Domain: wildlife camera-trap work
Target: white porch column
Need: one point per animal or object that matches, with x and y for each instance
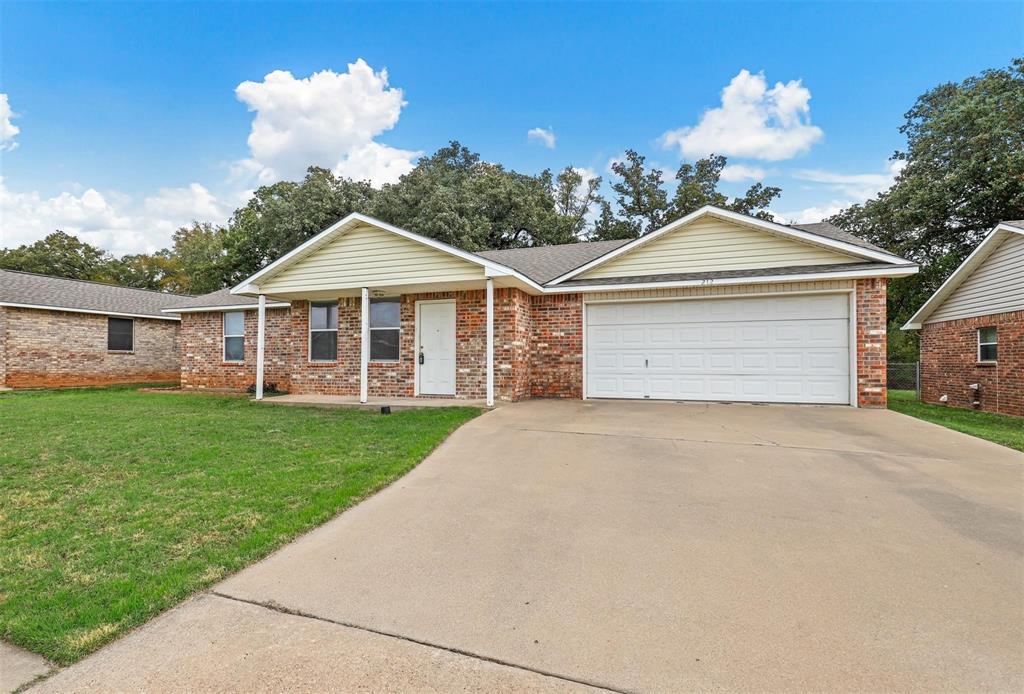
(364, 348)
(490, 342)
(261, 330)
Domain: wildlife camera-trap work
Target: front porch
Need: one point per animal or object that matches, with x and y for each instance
(371, 403)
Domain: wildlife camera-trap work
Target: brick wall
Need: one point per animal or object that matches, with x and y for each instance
(949, 363)
(871, 342)
(55, 349)
(202, 351)
(3, 347)
(556, 348)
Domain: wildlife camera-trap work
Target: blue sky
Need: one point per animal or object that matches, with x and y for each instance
(131, 120)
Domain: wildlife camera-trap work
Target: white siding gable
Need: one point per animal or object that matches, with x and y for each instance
(995, 286)
(710, 244)
(369, 256)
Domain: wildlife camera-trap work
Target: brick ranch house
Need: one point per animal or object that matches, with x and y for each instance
(972, 329)
(714, 306)
(56, 332)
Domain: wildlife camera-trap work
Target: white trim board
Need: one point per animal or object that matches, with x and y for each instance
(236, 307)
(40, 307)
(998, 233)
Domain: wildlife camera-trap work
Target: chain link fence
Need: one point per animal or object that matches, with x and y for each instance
(904, 376)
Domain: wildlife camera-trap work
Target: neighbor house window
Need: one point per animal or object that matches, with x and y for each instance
(234, 336)
(384, 329)
(987, 344)
(120, 334)
(323, 331)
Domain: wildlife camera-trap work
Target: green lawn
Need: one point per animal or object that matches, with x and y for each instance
(1002, 429)
(115, 504)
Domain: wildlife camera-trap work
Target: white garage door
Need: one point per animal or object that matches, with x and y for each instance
(771, 349)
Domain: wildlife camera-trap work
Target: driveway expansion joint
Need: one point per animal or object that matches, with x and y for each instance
(277, 607)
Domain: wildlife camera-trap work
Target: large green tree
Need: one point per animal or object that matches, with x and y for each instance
(643, 204)
(202, 260)
(963, 173)
(59, 254)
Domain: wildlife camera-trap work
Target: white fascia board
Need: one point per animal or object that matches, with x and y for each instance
(728, 281)
(771, 227)
(228, 307)
(976, 258)
(41, 307)
(250, 285)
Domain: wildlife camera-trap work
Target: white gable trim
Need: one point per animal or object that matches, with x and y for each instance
(226, 307)
(973, 261)
(729, 215)
(250, 285)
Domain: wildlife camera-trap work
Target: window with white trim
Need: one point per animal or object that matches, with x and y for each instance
(234, 336)
(988, 339)
(120, 334)
(323, 331)
(385, 328)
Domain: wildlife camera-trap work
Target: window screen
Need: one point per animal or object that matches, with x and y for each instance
(234, 336)
(120, 333)
(384, 328)
(987, 343)
(323, 331)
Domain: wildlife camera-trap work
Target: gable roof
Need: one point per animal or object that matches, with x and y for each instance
(997, 235)
(220, 300)
(31, 290)
(544, 263)
(250, 285)
(821, 234)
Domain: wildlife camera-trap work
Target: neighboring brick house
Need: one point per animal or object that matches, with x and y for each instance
(972, 329)
(714, 306)
(56, 332)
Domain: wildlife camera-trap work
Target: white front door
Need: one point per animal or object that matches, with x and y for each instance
(435, 329)
(771, 349)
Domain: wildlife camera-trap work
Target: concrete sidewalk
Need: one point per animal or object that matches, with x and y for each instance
(634, 547)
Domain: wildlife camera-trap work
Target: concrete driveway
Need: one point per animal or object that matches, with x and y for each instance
(635, 547)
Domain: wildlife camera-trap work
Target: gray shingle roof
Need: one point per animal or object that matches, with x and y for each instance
(221, 297)
(544, 263)
(831, 231)
(723, 274)
(60, 293)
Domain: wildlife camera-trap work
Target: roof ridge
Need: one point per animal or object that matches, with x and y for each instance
(102, 284)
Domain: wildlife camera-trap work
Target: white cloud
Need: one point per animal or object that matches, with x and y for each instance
(328, 119)
(856, 188)
(545, 136)
(753, 121)
(109, 220)
(734, 173)
(859, 187)
(7, 129)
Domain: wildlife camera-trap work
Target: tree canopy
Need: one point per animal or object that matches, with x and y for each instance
(963, 173)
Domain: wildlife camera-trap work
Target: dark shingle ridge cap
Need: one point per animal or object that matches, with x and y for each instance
(102, 284)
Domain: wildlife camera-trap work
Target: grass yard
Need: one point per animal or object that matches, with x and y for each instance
(115, 504)
(1000, 428)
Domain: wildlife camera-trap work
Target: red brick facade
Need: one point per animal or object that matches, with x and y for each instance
(57, 349)
(538, 348)
(949, 364)
(871, 342)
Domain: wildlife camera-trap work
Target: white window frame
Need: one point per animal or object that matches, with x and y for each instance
(121, 351)
(225, 336)
(389, 299)
(994, 343)
(311, 330)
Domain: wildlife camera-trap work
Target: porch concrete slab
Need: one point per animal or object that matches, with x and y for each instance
(663, 547)
(349, 401)
(18, 667)
(214, 644)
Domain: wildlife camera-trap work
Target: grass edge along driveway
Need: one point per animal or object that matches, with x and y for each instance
(116, 505)
(998, 428)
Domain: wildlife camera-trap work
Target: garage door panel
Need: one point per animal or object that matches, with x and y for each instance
(781, 349)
